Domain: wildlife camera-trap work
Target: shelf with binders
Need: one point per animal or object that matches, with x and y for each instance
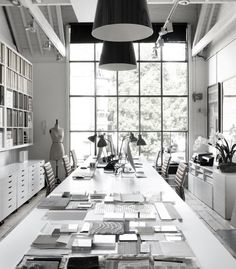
(27, 136)
(16, 112)
(2, 132)
(16, 63)
(2, 74)
(2, 53)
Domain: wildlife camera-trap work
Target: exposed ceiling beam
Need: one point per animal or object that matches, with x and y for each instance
(68, 2)
(39, 41)
(22, 13)
(50, 16)
(60, 24)
(45, 26)
(220, 27)
(210, 17)
(200, 24)
(13, 27)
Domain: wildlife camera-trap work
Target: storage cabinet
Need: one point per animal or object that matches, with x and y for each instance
(200, 183)
(224, 193)
(214, 188)
(22, 185)
(10, 194)
(18, 183)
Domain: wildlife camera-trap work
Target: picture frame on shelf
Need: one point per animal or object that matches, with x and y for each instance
(214, 119)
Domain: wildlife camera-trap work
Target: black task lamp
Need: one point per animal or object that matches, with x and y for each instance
(141, 141)
(122, 20)
(92, 138)
(117, 56)
(101, 142)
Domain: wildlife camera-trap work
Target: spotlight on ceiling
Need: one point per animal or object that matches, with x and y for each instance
(16, 3)
(47, 45)
(37, 1)
(167, 29)
(155, 52)
(184, 2)
(59, 57)
(31, 27)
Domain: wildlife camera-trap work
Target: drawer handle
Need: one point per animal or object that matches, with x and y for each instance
(9, 192)
(10, 181)
(22, 197)
(10, 176)
(9, 206)
(22, 185)
(23, 170)
(22, 191)
(9, 199)
(22, 180)
(9, 187)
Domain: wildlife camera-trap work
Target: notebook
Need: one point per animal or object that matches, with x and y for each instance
(54, 202)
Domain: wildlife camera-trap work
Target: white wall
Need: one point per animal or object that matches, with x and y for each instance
(198, 108)
(222, 56)
(5, 34)
(49, 104)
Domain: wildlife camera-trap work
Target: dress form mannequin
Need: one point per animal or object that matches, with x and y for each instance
(57, 148)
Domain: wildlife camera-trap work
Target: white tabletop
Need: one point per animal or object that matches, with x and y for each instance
(210, 252)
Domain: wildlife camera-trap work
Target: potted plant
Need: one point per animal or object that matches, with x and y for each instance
(226, 153)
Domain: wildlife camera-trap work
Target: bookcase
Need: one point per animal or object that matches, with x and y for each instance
(16, 97)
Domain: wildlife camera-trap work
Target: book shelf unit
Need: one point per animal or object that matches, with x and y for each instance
(16, 97)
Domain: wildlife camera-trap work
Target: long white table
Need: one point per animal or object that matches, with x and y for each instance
(209, 251)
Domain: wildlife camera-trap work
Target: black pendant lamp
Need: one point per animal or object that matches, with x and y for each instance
(122, 20)
(117, 56)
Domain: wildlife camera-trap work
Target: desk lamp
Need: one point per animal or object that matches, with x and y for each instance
(92, 138)
(131, 138)
(141, 141)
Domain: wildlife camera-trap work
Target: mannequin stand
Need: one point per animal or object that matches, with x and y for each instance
(58, 180)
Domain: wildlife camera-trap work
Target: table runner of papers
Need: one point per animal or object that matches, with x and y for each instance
(125, 233)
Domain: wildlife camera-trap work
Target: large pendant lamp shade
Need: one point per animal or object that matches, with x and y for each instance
(122, 20)
(117, 56)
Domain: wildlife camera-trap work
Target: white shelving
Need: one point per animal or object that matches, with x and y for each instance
(16, 97)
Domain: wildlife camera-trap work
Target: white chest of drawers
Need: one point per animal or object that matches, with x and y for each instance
(18, 183)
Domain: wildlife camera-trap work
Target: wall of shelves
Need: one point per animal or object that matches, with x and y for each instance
(16, 98)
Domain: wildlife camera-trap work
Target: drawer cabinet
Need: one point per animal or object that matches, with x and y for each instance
(200, 183)
(224, 193)
(214, 188)
(18, 183)
(22, 191)
(9, 195)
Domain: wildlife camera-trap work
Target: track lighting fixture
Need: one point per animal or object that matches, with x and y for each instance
(168, 26)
